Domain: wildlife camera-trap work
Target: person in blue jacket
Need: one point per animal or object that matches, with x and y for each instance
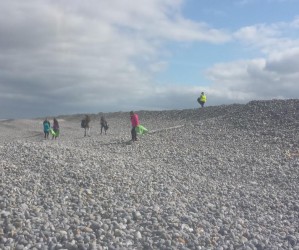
(47, 127)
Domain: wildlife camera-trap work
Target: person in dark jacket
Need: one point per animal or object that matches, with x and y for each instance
(104, 124)
(86, 125)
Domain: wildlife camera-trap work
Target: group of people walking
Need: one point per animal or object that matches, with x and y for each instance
(54, 130)
(85, 124)
(104, 125)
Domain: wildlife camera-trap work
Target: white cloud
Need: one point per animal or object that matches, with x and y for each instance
(273, 75)
(284, 62)
(87, 55)
(253, 79)
(269, 38)
(295, 23)
(244, 2)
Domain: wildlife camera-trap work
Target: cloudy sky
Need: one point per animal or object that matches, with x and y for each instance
(75, 56)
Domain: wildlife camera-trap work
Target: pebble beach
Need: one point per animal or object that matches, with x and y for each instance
(219, 177)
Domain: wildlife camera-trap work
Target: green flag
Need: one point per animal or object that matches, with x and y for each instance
(141, 130)
(53, 132)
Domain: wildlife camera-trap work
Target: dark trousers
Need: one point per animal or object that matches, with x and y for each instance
(103, 126)
(86, 131)
(134, 134)
(201, 103)
(46, 135)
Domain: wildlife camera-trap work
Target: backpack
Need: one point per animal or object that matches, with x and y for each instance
(83, 124)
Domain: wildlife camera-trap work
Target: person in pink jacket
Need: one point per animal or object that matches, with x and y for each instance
(135, 123)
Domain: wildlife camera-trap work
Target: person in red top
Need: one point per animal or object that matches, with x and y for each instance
(135, 123)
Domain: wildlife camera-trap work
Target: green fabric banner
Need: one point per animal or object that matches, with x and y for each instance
(53, 132)
(141, 130)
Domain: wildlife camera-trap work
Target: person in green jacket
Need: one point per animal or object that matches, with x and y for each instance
(202, 99)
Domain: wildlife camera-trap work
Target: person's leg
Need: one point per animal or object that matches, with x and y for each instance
(84, 131)
(134, 134)
(45, 135)
(101, 128)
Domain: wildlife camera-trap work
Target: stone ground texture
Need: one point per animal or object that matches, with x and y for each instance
(222, 177)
